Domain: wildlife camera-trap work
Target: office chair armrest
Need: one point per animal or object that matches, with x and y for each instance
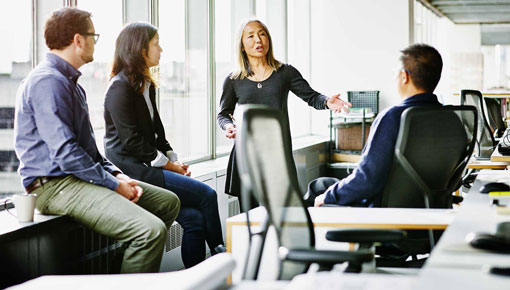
(498, 134)
(331, 205)
(456, 199)
(365, 235)
(324, 257)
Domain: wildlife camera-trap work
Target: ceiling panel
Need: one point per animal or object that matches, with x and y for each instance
(473, 11)
(493, 34)
(493, 15)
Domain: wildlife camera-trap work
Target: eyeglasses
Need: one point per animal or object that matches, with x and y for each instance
(95, 35)
(397, 71)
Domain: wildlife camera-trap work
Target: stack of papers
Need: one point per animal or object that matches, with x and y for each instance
(355, 113)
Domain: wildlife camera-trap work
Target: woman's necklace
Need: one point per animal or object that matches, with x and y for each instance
(259, 85)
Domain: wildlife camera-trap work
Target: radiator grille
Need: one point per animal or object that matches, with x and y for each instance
(233, 206)
(99, 254)
(174, 238)
(102, 255)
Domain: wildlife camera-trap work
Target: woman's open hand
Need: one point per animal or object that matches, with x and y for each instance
(336, 104)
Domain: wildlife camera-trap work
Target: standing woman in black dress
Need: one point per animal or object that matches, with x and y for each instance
(261, 79)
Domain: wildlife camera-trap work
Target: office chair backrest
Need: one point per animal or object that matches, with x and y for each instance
(265, 165)
(495, 116)
(484, 138)
(433, 147)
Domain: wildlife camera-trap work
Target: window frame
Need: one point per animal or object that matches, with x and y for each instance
(152, 16)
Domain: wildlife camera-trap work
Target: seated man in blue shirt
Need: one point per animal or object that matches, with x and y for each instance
(419, 75)
(59, 159)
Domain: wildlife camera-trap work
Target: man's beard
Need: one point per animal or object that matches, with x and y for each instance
(87, 58)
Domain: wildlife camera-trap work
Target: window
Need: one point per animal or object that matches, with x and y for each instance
(43, 9)
(496, 67)
(299, 49)
(191, 70)
(184, 77)
(274, 15)
(228, 16)
(107, 19)
(289, 25)
(15, 64)
(425, 25)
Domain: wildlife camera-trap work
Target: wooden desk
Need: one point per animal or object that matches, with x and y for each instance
(328, 218)
(486, 164)
(494, 95)
(500, 95)
(453, 264)
(361, 217)
(498, 157)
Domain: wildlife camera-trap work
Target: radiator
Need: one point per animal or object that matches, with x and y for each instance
(174, 237)
(233, 206)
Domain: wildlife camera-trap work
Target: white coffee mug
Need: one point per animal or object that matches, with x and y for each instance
(25, 206)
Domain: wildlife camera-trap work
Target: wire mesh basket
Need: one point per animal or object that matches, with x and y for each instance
(364, 99)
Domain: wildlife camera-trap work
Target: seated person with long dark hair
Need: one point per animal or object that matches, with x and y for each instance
(135, 141)
(59, 159)
(419, 75)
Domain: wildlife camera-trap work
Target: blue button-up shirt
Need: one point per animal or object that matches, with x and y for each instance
(365, 185)
(52, 131)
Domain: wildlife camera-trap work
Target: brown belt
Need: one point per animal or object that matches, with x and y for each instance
(38, 182)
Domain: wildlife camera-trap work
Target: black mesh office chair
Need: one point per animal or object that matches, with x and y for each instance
(484, 139)
(432, 150)
(433, 146)
(495, 117)
(265, 170)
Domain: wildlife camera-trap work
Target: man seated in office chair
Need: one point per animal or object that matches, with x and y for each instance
(419, 75)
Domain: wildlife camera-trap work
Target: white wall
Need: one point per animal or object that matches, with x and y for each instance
(355, 46)
(460, 47)
(496, 66)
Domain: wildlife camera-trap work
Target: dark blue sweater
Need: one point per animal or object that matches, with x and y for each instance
(365, 185)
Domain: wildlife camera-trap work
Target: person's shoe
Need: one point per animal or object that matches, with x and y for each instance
(219, 249)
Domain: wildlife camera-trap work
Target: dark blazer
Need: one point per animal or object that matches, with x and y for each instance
(130, 141)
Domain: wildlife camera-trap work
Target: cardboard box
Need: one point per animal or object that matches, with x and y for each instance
(349, 137)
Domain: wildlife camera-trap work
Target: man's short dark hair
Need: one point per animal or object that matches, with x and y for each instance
(63, 24)
(424, 64)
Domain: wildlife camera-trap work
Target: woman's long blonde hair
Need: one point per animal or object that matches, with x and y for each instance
(243, 68)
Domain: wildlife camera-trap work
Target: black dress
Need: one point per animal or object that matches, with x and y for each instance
(274, 93)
